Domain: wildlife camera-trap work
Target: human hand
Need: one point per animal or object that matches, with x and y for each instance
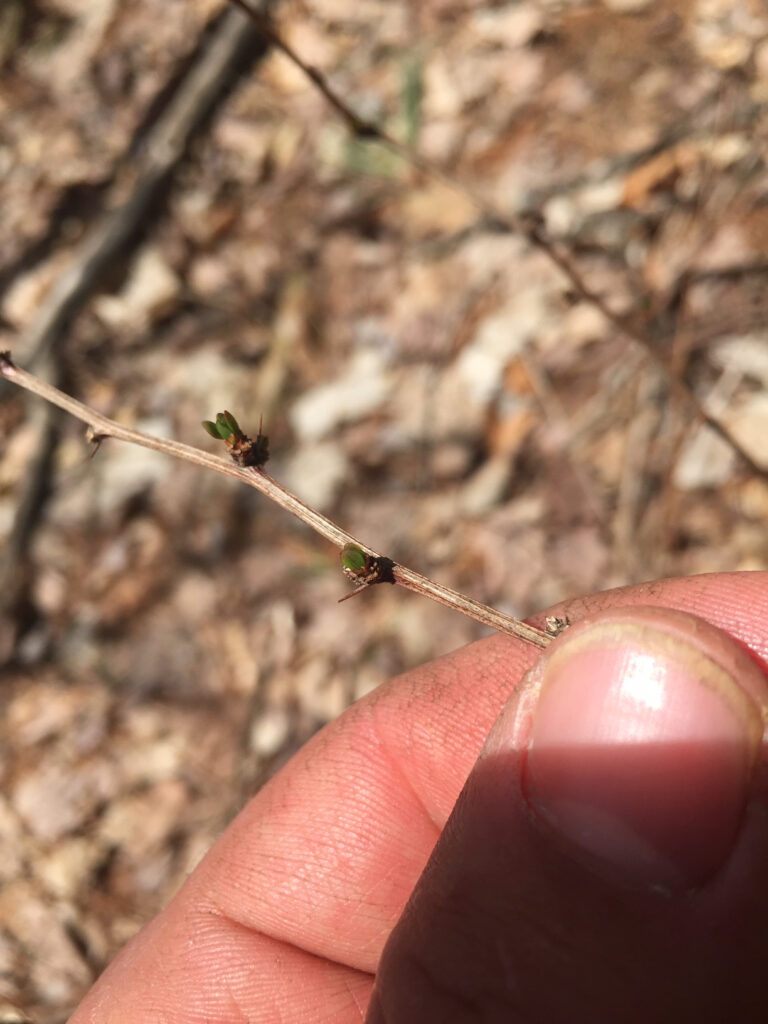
(606, 861)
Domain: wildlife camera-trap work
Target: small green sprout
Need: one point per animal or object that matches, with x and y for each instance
(360, 567)
(225, 427)
(354, 560)
(243, 449)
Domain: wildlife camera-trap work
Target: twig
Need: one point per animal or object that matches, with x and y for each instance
(527, 224)
(100, 427)
(459, 602)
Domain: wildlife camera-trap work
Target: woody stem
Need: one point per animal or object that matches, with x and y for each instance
(101, 427)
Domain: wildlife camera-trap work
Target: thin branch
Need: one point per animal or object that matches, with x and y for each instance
(529, 225)
(473, 609)
(100, 427)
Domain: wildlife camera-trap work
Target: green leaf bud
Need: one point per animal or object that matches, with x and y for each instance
(229, 419)
(354, 558)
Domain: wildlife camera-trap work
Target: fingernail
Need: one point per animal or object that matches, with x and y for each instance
(642, 746)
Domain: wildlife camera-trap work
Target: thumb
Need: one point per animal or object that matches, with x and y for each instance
(608, 857)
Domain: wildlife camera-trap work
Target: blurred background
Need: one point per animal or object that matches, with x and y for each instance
(187, 227)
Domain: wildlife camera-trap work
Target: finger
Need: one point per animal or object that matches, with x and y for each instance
(737, 602)
(608, 858)
(325, 856)
(354, 819)
(292, 906)
(189, 966)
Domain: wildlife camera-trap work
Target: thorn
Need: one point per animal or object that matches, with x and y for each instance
(357, 590)
(95, 439)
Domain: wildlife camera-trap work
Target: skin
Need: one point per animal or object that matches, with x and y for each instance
(288, 916)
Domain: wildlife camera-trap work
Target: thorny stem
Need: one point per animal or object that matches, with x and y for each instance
(100, 427)
(529, 225)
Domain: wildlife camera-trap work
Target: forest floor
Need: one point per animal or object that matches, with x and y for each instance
(427, 378)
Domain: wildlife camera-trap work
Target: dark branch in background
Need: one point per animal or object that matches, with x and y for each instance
(528, 225)
(152, 168)
(100, 427)
(15, 605)
(221, 58)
